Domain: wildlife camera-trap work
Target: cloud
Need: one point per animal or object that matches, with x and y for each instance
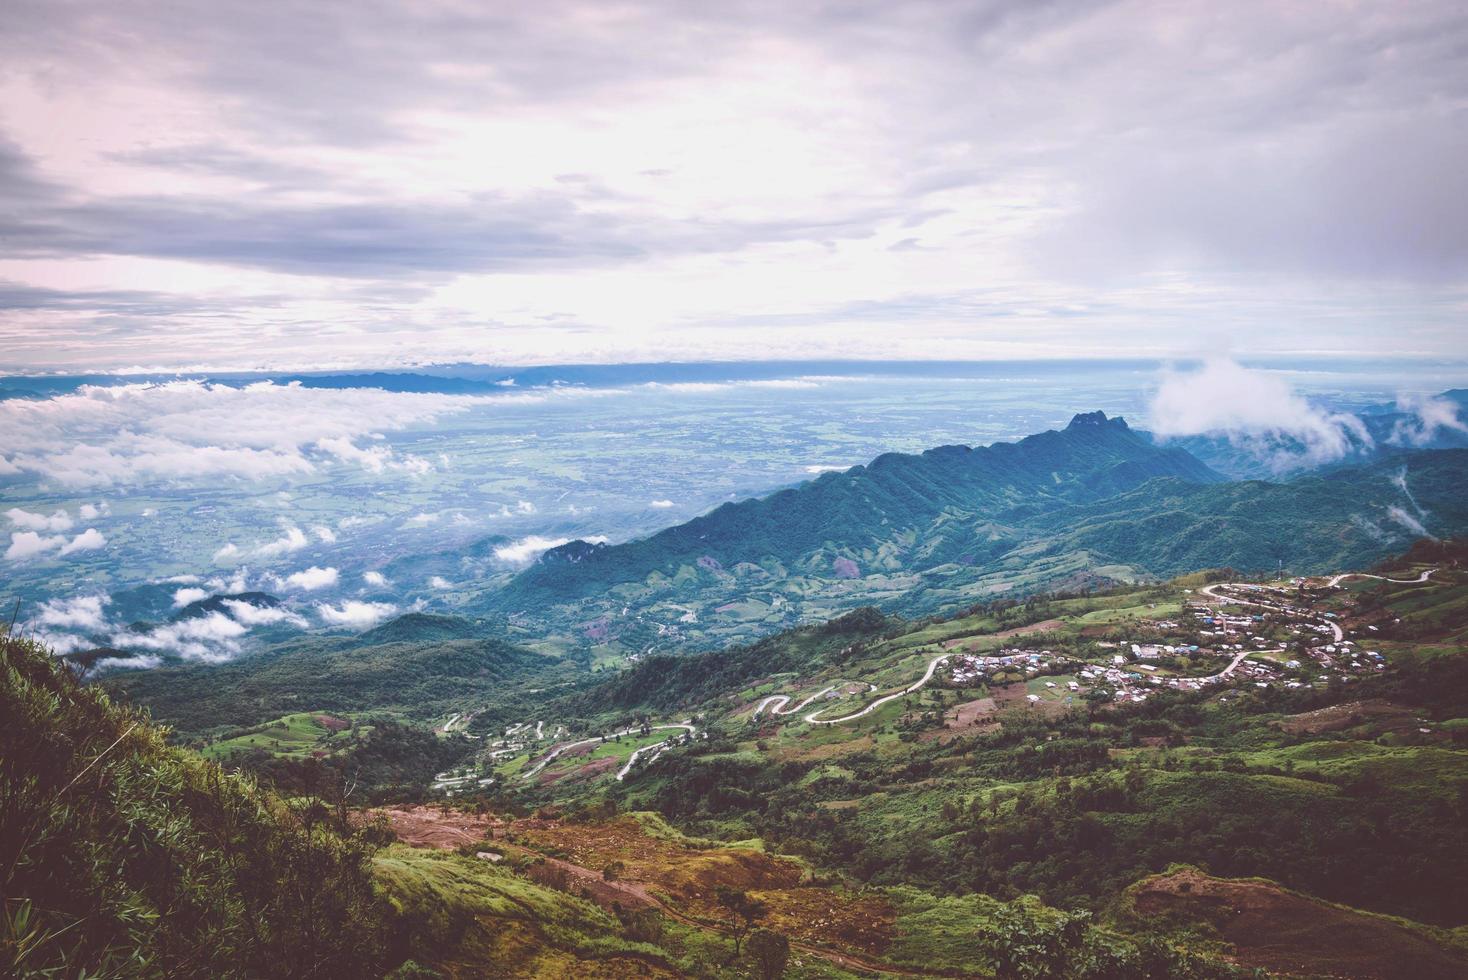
(193, 433)
(527, 549)
(324, 534)
(313, 578)
(354, 614)
(230, 550)
(183, 597)
(1257, 411)
(422, 519)
(29, 544)
(61, 644)
(660, 504)
(439, 582)
(58, 521)
(89, 540)
(212, 638)
(90, 512)
(1134, 172)
(143, 662)
(1407, 521)
(1429, 415)
(252, 615)
(375, 579)
(80, 612)
(294, 539)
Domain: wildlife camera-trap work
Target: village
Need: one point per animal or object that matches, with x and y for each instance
(1259, 634)
(1220, 636)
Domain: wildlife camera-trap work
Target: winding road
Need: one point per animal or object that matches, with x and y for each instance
(1380, 578)
(1232, 600)
(777, 704)
(655, 749)
(555, 752)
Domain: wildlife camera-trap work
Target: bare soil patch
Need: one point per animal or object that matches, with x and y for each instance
(1281, 931)
(591, 770)
(1380, 714)
(831, 916)
(426, 826)
(826, 750)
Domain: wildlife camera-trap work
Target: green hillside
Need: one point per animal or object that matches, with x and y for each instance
(122, 856)
(418, 679)
(1093, 505)
(1305, 817)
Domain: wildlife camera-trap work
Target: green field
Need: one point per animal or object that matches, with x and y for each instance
(297, 736)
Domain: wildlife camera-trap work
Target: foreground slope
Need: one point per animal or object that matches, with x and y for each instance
(122, 856)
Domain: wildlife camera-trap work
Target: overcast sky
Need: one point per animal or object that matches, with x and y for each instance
(245, 183)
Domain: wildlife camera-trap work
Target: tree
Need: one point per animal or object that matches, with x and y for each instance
(770, 951)
(744, 912)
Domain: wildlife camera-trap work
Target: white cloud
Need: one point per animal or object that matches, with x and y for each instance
(660, 504)
(239, 581)
(89, 540)
(294, 539)
(313, 578)
(28, 521)
(90, 512)
(324, 534)
(815, 469)
(183, 597)
(525, 507)
(210, 639)
(192, 433)
(1407, 521)
(376, 579)
(81, 612)
(439, 582)
(29, 544)
(1429, 416)
(422, 519)
(354, 614)
(63, 643)
(143, 662)
(229, 550)
(1256, 411)
(252, 615)
(527, 549)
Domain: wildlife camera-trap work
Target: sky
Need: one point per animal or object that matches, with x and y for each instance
(357, 183)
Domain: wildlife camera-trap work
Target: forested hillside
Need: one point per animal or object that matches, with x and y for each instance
(1093, 504)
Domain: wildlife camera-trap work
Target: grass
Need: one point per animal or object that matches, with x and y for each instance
(446, 895)
(294, 736)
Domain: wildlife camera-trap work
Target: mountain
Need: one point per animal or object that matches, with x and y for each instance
(220, 604)
(1344, 518)
(1091, 505)
(865, 534)
(422, 628)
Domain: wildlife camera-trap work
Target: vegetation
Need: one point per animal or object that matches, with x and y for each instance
(122, 856)
(1090, 506)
